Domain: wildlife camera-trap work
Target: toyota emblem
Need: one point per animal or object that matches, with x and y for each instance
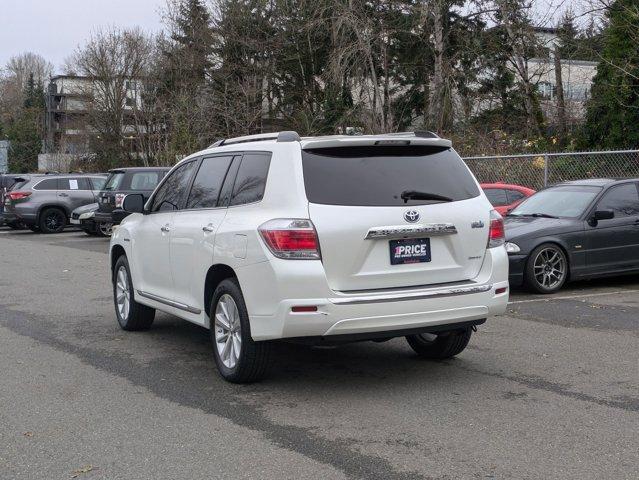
(411, 216)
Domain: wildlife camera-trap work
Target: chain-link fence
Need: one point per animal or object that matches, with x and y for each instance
(539, 170)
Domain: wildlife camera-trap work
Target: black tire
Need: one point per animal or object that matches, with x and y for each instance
(254, 358)
(444, 344)
(138, 316)
(52, 220)
(532, 282)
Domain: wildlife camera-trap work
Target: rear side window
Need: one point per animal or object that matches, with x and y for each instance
(81, 183)
(208, 182)
(251, 178)
(48, 184)
(114, 180)
(144, 180)
(98, 183)
(377, 175)
(514, 196)
(497, 197)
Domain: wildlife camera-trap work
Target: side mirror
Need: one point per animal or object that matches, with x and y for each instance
(133, 203)
(604, 215)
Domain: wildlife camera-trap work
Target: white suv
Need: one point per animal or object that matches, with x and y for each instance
(322, 240)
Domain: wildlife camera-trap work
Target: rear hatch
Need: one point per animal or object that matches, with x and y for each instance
(106, 197)
(393, 216)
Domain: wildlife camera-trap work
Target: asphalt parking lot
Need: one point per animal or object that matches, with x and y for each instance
(550, 390)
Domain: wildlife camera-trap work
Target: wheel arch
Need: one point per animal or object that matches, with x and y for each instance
(59, 206)
(214, 276)
(116, 252)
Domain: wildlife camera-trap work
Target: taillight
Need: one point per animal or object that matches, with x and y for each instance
(18, 195)
(496, 235)
(119, 199)
(291, 238)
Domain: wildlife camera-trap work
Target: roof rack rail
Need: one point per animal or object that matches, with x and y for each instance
(286, 136)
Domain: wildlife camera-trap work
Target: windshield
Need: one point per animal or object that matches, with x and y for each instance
(114, 181)
(386, 176)
(568, 201)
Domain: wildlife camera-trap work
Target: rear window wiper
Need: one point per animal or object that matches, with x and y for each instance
(417, 195)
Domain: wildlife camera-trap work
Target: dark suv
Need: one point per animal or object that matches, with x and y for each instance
(44, 202)
(120, 182)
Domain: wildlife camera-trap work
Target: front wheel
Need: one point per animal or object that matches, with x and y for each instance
(131, 314)
(546, 269)
(104, 229)
(440, 346)
(238, 358)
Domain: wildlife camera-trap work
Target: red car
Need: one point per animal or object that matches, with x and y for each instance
(505, 197)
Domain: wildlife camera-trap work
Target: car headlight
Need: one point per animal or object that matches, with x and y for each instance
(512, 247)
(86, 215)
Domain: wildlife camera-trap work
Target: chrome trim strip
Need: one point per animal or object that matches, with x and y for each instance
(170, 303)
(411, 231)
(401, 297)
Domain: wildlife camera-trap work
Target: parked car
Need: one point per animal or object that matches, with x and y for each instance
(84, 217)
(504, 197)
(6, 182)
(574, 230)
(44, 202)
(120, 182)
(319, 240)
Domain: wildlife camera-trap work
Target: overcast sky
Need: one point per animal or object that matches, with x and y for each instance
(54, 28)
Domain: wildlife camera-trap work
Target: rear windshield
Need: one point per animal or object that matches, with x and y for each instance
(114, 181)
(378, 175)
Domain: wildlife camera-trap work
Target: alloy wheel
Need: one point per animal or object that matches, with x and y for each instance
(228, 331)
(105, 229)
(54, 221)
(122, 294)
(549, 268)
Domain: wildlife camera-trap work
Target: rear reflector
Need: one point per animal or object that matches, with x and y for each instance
(496, 234)
(500, 290)
(291, 238)
(304, 309)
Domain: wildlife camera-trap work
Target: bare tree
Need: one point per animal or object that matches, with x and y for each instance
(114, 63)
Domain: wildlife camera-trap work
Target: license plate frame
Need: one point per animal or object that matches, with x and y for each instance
(418, 251)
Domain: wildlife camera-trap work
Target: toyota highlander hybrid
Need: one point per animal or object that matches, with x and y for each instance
(321, 240)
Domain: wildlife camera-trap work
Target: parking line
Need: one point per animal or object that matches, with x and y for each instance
(569, 297)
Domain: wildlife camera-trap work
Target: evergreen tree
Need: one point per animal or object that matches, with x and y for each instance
(25, 130)
(613, 110)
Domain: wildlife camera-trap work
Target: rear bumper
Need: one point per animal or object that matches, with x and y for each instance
(517, 266)
(27, 219)
(369, 314)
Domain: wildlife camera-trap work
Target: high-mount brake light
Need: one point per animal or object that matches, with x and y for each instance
(496, 235)
(291, 238)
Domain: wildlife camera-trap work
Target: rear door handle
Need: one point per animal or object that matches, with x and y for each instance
(63, 195)
(208, 228)
(165, 228)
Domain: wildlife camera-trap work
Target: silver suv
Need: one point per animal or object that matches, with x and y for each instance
(44, 202)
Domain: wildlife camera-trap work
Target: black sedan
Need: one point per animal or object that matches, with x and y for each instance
(574, 230)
